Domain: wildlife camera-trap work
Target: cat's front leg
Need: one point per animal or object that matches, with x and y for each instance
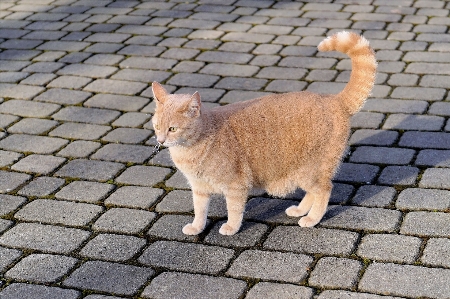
(235, 206)
(201, 204)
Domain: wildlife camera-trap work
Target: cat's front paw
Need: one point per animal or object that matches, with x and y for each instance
(294, 211)
(191, 230)
(308, 221)
(227, 230)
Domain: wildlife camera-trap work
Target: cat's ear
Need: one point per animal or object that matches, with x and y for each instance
(192, 107)
(159, 93)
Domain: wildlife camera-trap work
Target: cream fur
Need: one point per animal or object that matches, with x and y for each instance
(278, 142)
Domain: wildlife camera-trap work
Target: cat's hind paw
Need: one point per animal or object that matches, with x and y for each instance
(294, 211)
(227, 230)
(191, 230)
(307, 221)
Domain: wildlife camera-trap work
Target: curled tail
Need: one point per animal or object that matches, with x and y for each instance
(364, 67)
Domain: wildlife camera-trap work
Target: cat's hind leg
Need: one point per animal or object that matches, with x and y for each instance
(321, 196)
(201, 204)
(235, 206)
(303, 208)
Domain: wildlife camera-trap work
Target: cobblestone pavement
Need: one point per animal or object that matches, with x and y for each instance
(86, 210)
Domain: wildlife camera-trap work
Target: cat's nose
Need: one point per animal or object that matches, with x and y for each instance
(161, 140)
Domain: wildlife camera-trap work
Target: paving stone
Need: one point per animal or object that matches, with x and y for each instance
(127, 135)
(361, 218)
(13, 77)
(249, 235)
(131, 119)
(9, 203)
(109, 277)
(80, 131)
(311, 240)
(46, 238)
(15, 54)
(350, 172)
(86, 115)
(85, 191)
(340, 294)
(398, 175)
(418, 93)
(13, 65)
(148, 63)
(7, 257)
(413, 122)
(11, 180)
(270, 290)
(28, 108)
(373, 137)
(42, 164)
(405, 280)
(79, 149)
(30, 143)
(288, 267)
(433, 224)
(423, 199)
(190, 257)
(141, 75)
(176, 201)
(435, 178)
(270, 210)
(395, 106)
(59, 212)
(134, 197)
(123, 153)
(143, 175)
(8, 158)
(123, 220)
(195, 286)
(14, 91)
(374, 196)
(436, 252)
(69, 82)
(115, 87)
(90, 170)
(32, 126)
(87, 70)
(5, 224)
(63, 96)
(382, 155)
(7, 120)
(335, 273)
(112, 247)
(41, 186)
(44, 268)
(30, 291)
(75, 57)
(170, 227)
(415, 139)
(435, 158)
(390, 248)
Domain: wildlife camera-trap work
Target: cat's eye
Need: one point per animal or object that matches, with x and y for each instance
(156, 126)
(172, 129)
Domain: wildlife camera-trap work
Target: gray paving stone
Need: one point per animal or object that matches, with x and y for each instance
(270, 290)
(58, 212)
(7, 120)
(31, 291)
(69, 46)
(439, 108)
(312, 241)
(28, 108)
(13, 65)
(162, 159)
(143, 175)
(229, 70)
(44, 268)
(30, 143)
(382, 155)
(42, 164)
(5, 224)
(15, 54)
(194, 286)
(270, 210)
(104, 48)
(176, 201)
(79, 149)
(72, 130)
(91, 192)
(435, 158)
(112, 247)
(415, 139)
(90, 170)
(109, 277)
(361, 218)
(236, 47)
(433, 224)
(105, 59)
(413, 122)
(9, 203)
(8, 256)
(373, 137)
(435, 178)
(86, 115)
(437, 252)
(395, 106)
(390, 248)
(41, 186)
(148, 63)
(340, 294)
(399, 175)
(134, 197)
(249, 235)
(87, 70)
(335, 273)
(194, 258)
(14, 91)
(423, 199)
(351, 172)
(115, 87)
(75, 57)
(131, 119)
(278, 266)
(123, 153)
(374, 196)
(13, 77)
(32, 126)
(405, 280)
(63, 96)
(170, 227)
(69, 82)
(47, 238)
(11, 180)
(122, 220)
(127, 135)
(117, 102)
(8, 158)
(193, 80)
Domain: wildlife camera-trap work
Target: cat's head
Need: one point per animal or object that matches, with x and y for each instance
(175, 116)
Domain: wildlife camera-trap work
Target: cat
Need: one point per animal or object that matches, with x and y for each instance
(277, 142)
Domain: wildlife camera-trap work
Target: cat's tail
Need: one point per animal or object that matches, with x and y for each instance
(364, 67)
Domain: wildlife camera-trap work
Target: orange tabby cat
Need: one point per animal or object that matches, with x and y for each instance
(278, 142)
